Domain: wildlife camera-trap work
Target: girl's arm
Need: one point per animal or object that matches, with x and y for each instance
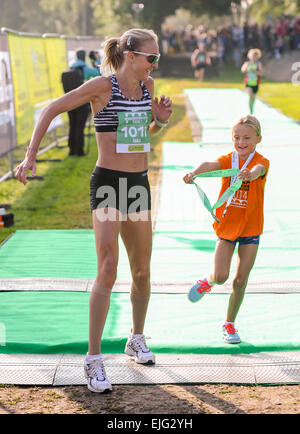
(194, 57)
(206, 166)
(250, 175)
(244, 67)
(261, 69)
(208, 61)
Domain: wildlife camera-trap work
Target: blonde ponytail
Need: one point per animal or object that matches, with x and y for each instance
(131, 40)
(113, 56)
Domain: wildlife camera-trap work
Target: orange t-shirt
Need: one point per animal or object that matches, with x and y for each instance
(244, 216)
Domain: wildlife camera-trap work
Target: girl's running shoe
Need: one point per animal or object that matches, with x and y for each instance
(198, 290)
(230, 334)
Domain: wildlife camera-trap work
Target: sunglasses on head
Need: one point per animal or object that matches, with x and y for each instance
(151, 58)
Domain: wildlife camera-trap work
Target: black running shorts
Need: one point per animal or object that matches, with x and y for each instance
(126, 191)
(254, 88)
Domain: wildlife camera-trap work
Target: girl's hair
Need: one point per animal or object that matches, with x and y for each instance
(254, 51)
(131, 40)
(250, 120)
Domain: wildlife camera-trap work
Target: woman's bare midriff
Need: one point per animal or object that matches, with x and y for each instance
(108, 158)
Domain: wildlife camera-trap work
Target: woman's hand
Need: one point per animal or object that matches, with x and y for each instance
(162, 108)
(188, 178)
(23, 167)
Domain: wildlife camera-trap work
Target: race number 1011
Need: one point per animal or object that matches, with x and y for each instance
(134, 131)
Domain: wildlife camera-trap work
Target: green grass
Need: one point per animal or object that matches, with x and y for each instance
(284, 96)
(61, 200)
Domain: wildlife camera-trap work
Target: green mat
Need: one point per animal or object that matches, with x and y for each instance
(183, 251)
(54, 253)
(218, 109)
(49, 322)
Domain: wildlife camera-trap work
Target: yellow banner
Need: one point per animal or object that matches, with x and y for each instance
(23, 109)
(36, 68)
(7, 110)
(56, 53)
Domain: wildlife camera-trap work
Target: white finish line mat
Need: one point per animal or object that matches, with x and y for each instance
(67, 369)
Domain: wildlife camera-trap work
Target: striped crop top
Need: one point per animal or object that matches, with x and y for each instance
(107, 119)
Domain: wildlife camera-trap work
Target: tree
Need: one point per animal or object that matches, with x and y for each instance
(262, 10)
(104, 17)
(68, 17)
(155, 11)
(212, 7)
(10, 17)
(111, 18)
(33, 17)
(115, 16)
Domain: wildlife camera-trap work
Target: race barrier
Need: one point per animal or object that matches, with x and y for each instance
(30, 78)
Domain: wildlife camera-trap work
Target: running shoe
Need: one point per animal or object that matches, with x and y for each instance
(198, 290)
(230, 334)
(136, 347)
(94, 372)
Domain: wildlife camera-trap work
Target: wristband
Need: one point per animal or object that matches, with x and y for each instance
(160, 124)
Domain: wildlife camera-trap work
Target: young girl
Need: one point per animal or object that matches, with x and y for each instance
(241, 220)
(252, 69)
(200, 60)
(125, 113)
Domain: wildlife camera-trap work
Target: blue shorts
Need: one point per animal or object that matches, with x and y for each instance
(244, 240)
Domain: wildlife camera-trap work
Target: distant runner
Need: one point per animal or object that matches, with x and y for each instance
(253, 70)
(200, 60)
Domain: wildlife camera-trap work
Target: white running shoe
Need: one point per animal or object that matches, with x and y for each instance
(230, 334)
(94, 372)
(136, 347)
